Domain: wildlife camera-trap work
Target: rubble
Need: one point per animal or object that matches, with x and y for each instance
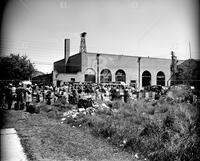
(105, 106)
(77, 113)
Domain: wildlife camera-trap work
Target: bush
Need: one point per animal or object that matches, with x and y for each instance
(117, 104)
(101, 126)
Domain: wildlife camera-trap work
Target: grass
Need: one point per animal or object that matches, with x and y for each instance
(158, 130)
(45, 139)
(161, 130)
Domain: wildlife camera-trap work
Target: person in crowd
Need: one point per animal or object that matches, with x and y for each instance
(36, 92)
(2, 95)
(126, 95)
(48, 97)
(74, 96)
(121, 92)
(97, 93)
(42, 90)
(9, 95)
(113, 93)
(65, 95)
(14, 92)
(20, 96)
(28, 92)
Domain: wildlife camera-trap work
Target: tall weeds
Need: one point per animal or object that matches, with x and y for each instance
(159, 131)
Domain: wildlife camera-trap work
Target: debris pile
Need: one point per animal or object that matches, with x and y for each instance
(77, 115)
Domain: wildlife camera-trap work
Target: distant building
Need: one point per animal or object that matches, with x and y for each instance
(44, 79)
(102, 68)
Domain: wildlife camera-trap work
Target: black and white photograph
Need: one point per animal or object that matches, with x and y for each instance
(100, 80)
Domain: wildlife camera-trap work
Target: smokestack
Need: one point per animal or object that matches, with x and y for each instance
(83, 43)
(66, 49)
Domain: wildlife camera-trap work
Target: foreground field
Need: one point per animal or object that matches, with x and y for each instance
(45, 139)
(160, 130)
(156, 130)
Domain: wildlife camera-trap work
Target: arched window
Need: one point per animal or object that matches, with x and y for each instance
(160, 78)
(146, 78)
(120, 76)
(105, 76)
(90, 75)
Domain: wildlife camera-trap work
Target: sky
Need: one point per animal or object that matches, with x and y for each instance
(37, 28)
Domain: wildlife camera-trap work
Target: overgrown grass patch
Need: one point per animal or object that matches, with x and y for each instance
(44, 138)
(158, 130)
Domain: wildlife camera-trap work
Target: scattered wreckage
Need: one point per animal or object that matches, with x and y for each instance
(85, 107)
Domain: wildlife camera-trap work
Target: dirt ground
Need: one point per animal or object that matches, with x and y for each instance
(44, 138)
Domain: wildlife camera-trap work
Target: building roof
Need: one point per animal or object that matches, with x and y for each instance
(58, 61)
(128, 55)
(111, 54)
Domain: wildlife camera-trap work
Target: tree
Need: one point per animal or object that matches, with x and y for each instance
(188, 73)
(16, 67)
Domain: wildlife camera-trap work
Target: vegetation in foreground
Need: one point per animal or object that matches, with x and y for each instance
(154, 130)
(157, 130)
(44, 138)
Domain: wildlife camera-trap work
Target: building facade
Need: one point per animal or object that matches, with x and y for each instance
(103, 68)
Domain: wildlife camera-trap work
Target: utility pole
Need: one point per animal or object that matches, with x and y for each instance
(98, 68)
(190, 50)
(29, 69)
(190, 63)
(173, 66)
(139, 58)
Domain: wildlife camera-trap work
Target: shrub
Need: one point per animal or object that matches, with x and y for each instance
(151, 111)
(104, 112)
(97, 124)
(190, 149)
(46, 108)
(162, 107)
(150, 129)
(117, 104)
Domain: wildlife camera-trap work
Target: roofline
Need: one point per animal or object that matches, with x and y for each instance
(74, 55)
(129, 56)
(123, 55)
(58, 61)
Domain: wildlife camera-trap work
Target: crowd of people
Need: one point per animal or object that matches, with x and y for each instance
(20, 96)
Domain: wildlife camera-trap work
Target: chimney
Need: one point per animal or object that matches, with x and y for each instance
(66, 49)
(83, 43)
